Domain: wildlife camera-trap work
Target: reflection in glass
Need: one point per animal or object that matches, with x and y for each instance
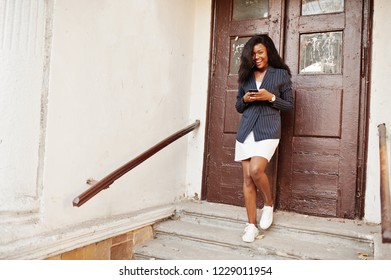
(321, 53)
(249, 9)
(237, 45)
(315, 7)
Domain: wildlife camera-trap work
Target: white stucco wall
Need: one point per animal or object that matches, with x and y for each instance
(22, 31)
(121, 81)
(105, 80)
(379, 105)
(199, 94)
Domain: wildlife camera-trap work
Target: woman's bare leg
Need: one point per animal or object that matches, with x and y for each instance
(257, 169)
(250, 193)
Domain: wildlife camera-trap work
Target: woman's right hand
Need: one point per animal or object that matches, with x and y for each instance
(249, 97)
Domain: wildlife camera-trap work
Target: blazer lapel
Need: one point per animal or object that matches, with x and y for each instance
(266, 79)
(269, 73)
(252, 84)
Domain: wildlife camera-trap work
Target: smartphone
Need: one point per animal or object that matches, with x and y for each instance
(253, 90)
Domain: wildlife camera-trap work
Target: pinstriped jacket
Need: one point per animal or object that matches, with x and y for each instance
(263, 117)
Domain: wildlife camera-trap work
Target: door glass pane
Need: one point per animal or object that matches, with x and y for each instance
(249, 9)
(315, 7)
(321, 53)
(237, 45)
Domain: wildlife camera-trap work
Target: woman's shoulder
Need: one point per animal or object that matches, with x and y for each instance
(279, 70)
(281, 73)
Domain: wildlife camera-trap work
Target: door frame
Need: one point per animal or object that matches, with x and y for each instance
(366, 61)
(363, 135)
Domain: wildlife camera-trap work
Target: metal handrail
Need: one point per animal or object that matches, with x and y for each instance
(109, 179)
(385, 199)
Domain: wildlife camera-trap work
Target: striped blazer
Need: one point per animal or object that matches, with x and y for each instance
(263, 117)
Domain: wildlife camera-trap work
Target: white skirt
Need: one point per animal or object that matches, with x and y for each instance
(251, 148)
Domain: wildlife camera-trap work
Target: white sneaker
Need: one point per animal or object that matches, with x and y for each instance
(267, 217)
(250, 232)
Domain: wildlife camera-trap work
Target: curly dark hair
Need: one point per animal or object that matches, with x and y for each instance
(246, 68)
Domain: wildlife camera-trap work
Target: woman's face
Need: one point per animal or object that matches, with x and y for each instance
(260, 57)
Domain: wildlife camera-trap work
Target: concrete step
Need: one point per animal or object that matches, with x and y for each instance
(203, 230)
(174, 247)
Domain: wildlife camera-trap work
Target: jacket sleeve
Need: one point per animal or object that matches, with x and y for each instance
(285, 101)
(240, 104)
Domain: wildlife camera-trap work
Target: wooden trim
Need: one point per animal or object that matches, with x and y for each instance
(385, 199)
(109, 179)
(366, 60)
(212, 64)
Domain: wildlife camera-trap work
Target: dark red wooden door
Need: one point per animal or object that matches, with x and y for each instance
(317, 159)
(318, 153)
(235, 22)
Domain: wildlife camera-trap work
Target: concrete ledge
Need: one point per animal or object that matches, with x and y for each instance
(42, 245)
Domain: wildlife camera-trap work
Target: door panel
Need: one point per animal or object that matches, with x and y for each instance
(326, 122)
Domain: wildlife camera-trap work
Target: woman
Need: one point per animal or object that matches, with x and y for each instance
(265, 88)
